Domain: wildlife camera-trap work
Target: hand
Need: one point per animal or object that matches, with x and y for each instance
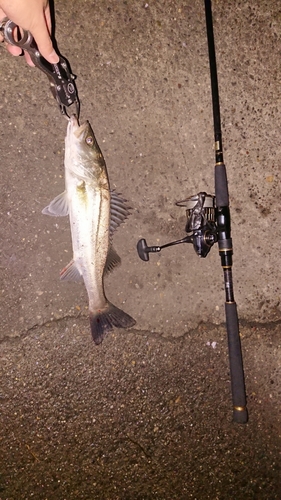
(33, 16)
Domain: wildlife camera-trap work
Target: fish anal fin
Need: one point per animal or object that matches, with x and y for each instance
(58, 207)
(113, 260)
(70, 273)
(103, 321)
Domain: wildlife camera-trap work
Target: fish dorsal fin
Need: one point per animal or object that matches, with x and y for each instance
(119, 211)
(113, 260)
(57, 207)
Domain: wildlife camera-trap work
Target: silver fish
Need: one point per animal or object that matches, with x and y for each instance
(94, 213)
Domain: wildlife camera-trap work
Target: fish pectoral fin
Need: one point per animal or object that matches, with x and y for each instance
(57, 207)
(119, 211)
(102, 321)
(113, 260)
(70, 273)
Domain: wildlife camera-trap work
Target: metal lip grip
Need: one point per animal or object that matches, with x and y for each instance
(60, 77)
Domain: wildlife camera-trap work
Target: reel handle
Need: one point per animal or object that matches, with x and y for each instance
(144, 250)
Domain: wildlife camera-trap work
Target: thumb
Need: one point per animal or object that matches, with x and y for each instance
(44, 43)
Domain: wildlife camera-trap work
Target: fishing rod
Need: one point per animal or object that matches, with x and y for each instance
(208, 222)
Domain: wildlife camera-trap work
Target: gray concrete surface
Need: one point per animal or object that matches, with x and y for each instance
(148, 414)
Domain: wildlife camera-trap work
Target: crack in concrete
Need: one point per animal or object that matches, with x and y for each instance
(245, 324)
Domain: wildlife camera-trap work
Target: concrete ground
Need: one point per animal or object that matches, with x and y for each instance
(146, 415)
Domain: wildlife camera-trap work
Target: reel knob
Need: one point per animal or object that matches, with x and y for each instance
(142, 249)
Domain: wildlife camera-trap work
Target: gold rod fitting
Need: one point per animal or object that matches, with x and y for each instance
(239, 408)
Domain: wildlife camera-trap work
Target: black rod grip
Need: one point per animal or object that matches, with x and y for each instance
(240, 414)
(221, 187)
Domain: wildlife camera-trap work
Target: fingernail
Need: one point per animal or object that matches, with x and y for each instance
(53, 57)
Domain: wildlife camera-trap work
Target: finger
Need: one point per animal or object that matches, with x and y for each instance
(2, 14)
(48, 18)
(14, 50)
(2, 17)
(28, 59)
(43, 40)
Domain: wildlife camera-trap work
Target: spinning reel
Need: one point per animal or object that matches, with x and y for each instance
(200, 227)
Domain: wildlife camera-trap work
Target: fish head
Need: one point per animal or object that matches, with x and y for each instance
(83, 148)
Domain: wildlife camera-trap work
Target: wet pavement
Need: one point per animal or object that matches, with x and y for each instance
(146, 415)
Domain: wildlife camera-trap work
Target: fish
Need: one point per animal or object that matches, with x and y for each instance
(95, 212)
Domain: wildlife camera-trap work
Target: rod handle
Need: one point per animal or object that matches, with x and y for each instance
(240, 413)
(221, 187)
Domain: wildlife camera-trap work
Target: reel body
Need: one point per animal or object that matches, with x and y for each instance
(201, 227)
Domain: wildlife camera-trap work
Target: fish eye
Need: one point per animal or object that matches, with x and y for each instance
(89, 140)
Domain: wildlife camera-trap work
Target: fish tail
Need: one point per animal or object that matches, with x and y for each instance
(104, 320)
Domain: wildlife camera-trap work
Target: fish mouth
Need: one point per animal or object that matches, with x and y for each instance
(74, 127)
